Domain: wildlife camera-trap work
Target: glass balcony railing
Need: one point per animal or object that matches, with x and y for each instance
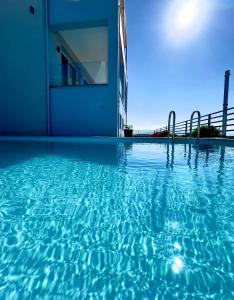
(79, 74)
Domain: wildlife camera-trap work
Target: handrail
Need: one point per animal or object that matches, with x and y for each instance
(172, 113)
(198, 123)
(222, 120)
(214, 119)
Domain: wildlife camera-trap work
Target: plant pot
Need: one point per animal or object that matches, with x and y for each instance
(128, 132)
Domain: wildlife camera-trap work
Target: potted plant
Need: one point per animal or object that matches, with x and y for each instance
(128, 130)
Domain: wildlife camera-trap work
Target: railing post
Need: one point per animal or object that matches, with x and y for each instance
(209, 120)
(186, 127)
(225, 102)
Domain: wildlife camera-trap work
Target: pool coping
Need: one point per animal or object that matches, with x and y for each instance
(207, 141)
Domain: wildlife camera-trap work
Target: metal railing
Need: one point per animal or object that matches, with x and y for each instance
(223, 120)
(216, 119)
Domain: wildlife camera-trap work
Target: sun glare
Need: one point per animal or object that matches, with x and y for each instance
(185, 19)
(187, 15)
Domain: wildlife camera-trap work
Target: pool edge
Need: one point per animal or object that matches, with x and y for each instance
(213, 141)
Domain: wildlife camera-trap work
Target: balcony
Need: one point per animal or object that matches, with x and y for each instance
(79, 74)
(81, 57)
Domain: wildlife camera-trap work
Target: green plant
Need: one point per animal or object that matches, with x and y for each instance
(128, 127)
(185, 135)
(163, 133)
(160, 134)
(207, 131)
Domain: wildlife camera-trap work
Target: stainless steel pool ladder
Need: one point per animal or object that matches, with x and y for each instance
(198, 123)
(172, 113)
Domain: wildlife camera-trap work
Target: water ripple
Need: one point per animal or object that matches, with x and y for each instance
(131, 229)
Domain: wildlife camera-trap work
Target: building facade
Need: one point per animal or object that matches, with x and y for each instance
(63, 67)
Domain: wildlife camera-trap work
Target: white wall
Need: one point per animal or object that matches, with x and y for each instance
(90, 45)
(23, 108)
(98, 71)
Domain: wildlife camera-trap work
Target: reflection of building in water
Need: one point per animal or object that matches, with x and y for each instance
(100, 153)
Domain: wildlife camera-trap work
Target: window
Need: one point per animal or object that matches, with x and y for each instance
(69, 74)
(72, 74)
(64, 61)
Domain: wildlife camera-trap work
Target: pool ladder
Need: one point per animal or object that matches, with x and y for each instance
(173, 114)
(198, 123)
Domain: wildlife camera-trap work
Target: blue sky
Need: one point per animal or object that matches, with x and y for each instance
(175, 66)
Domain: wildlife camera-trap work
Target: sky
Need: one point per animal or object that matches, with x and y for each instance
(178, 51)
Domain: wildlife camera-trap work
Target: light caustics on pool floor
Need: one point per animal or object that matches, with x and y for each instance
(115, 221)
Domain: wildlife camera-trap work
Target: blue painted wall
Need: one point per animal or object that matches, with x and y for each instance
(75, 111)
(23, 109)
(87, 111)
(69, 12)
(82, 111)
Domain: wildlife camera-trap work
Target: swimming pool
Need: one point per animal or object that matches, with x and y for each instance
(116, 221)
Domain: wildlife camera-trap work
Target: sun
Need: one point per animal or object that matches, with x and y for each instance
(185, 19)
(187, 15)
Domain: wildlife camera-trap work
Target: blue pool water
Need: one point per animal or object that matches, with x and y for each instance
(116, 221)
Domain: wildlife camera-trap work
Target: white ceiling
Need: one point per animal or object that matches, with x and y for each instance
(89, 45)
